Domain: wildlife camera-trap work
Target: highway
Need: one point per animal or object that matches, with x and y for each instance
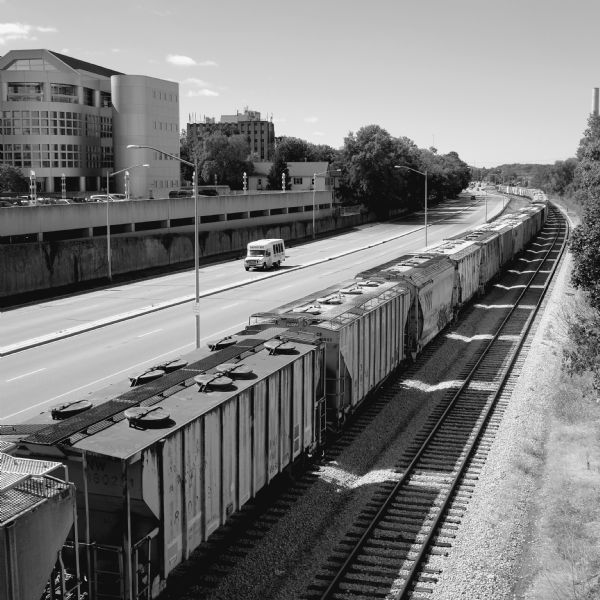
(34, 379)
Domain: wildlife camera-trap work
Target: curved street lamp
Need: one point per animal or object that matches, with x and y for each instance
(196, 250)
(425, 175)
(108, 253)
(314, 190)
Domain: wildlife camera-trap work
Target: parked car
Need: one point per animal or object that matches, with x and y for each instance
(111, 198)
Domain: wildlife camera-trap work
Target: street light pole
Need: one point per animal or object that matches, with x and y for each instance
(485, 196)
(196, 248)
(108, 252)
(425, 175)
(314, 190)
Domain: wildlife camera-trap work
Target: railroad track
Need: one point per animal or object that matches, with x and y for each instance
(415, 516)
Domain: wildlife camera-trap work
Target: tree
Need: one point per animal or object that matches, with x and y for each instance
(12, 179)
(278, 167)
(584, 245)
(585, 240)
(226, 158)
(368, 159)
(291, 149)
(587, 173)
(187, 149)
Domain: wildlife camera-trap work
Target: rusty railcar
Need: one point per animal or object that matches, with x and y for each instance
(37, 512)
(363, 325)
(430, 279)
(162, 466)
(466, 257)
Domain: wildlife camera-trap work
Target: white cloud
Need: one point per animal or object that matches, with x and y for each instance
(186, 61)
(318, 133)
(202, 92)
(311, 119)
(21, 31)
(180, 61)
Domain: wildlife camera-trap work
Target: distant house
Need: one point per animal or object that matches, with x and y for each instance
(301, 176)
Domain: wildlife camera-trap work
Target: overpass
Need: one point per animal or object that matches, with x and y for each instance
(47, 223)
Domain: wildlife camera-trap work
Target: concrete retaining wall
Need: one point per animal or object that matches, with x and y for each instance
(37, 266)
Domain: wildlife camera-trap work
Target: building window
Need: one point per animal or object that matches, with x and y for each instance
(61, 92)
(88, 96)
(41, 155)
(105, 100)
(297, 180)
(30, 64)
(25, 91)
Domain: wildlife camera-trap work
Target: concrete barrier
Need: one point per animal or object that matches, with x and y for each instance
(38, 266)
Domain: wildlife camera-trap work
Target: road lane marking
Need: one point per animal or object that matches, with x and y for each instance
(82, 387)
(26, 374)
(149, 333)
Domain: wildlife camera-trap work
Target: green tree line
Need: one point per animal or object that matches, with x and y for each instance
(584, 355)
(367, 164)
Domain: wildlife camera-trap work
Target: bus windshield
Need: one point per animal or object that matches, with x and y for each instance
(256, 252)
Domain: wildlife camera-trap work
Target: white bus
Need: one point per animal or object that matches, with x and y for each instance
(264, 254)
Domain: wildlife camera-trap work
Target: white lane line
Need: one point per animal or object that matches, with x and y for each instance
(82, 387)
(149, 333)
(26, 374)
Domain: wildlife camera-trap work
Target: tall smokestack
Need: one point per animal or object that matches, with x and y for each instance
(595, 101)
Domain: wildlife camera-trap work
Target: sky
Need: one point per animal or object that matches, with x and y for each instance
(503, 81)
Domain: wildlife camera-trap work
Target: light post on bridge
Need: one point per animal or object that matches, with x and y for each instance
(108, 253)
(425, 175)
(314, 190)
(196, 249)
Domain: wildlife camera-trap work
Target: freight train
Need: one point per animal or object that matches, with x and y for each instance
(162, 461)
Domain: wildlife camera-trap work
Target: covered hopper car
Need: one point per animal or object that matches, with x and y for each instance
(430, 279)
(362, 324)
(160, 467)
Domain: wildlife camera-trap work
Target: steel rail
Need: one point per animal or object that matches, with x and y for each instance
(333, 585)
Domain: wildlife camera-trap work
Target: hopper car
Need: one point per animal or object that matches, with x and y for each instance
(37, 511)
(163, 460)
(362, 324)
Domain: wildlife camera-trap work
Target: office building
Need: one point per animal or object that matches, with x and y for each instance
(259, 133)
(64, 119)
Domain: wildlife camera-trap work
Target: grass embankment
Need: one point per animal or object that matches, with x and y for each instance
(562, 561)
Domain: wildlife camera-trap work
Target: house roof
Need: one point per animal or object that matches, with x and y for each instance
(81, 65)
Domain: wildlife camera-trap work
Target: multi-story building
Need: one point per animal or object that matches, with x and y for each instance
(68, 120)
(259, 133)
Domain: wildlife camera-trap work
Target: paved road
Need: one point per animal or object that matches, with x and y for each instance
(34, 379)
